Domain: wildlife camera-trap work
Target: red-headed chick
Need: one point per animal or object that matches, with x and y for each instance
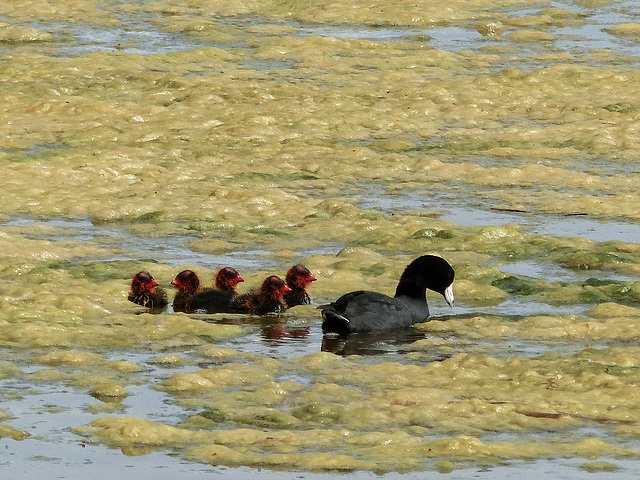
(145, 291)
(298, 279)
(218, 300)
(228, 279)
(188, 284)
(269, 298)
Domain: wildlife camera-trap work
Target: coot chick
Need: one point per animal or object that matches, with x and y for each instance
(268, 299)
(218, 300)
(228, 279)
(188, 284)
(298, 279)
(145, 291)
(365, 311)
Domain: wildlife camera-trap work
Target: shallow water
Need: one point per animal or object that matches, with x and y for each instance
(476, 212)
(352, 138)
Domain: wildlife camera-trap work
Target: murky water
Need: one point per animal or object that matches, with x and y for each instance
(352, 138)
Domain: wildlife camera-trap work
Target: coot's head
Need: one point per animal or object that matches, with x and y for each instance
(299, 276)
(274, 287)
(227, 279)
(427, 271)
(186, 281)
(143, 282)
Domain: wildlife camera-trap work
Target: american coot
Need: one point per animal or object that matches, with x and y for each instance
(145, 291)
(365, 311)
(268, 299)
(298, 279)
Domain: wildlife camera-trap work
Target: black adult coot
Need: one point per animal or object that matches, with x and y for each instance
(365, 311)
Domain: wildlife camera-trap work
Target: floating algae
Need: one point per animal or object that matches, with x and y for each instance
(351, 138)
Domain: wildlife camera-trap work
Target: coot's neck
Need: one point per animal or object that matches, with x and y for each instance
(410, 287)
(425, 272)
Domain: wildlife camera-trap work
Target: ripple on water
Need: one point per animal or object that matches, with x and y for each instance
(173, 250)
(139, 34)
(552, 272)
(476, 212)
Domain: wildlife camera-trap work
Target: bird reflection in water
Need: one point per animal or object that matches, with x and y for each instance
(275, 330)
(281, 337)
(370, 343)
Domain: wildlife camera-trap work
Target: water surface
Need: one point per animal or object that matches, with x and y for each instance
(351, 138)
